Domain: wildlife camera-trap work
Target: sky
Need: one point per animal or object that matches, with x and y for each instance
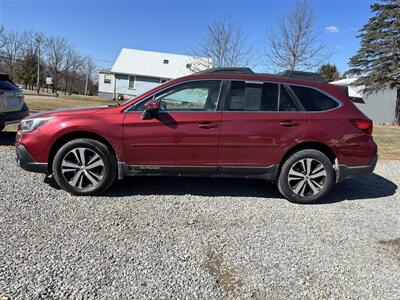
(100, 28)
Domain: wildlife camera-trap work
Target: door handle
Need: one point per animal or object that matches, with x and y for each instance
(289, 123)
(207, 125)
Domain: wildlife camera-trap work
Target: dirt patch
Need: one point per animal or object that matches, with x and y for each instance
(393, 246)
(226, 279)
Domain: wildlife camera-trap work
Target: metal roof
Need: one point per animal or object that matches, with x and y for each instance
(354, 90)
(157, 64)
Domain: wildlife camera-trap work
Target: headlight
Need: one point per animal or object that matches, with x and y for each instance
(29, 125)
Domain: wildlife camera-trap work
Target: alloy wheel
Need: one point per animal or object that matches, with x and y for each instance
(83, 168)
(307, 177)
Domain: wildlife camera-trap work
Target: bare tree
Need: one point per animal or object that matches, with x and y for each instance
(68, 63)
(56, 52)
(294, 43)
(77, 65)
(11, 50)
(89, 69)
(2, 29)
(224, 45)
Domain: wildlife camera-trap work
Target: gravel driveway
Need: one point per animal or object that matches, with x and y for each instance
(198, 238)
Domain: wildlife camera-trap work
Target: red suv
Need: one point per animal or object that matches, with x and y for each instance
(291, 128)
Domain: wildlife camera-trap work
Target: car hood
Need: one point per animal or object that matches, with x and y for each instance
(70, 111)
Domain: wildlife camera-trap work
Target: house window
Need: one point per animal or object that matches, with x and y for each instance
(188, 66)
(131, 84)
(107, 78)
(166, 61)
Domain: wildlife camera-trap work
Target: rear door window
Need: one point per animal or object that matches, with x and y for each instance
(313, 100)
(6, 85)
(259, 96)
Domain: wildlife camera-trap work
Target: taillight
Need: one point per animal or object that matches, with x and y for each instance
(363, 124)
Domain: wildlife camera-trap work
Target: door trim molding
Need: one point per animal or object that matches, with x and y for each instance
(267, 172)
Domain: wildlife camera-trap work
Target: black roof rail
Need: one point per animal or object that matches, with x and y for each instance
(302, 75)
(247, 71)
(226, 70)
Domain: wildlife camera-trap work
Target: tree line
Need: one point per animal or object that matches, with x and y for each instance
(23, 54)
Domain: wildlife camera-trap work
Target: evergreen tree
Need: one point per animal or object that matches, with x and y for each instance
(26, 70)
(329, 72)
(378, 60)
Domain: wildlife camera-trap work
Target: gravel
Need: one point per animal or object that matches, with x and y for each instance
(198, 238)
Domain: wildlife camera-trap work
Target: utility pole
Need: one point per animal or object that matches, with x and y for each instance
(87, 82)
(88, 66)
(38, 40)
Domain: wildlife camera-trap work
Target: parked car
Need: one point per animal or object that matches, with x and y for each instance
(12, 105)
(292, 129)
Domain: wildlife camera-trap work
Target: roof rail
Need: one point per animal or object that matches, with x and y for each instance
(226, 70)
(302, 75)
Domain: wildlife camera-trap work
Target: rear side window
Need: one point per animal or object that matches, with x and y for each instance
(6, 85)
(286, 102)
(313, 100)
(248, 96)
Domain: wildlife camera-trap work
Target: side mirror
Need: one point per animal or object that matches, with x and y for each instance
(151, 109)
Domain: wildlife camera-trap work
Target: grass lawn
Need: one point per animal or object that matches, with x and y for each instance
(388, 140)
(387, 137)
(44, 103)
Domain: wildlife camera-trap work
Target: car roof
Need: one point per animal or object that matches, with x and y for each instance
(288, 74)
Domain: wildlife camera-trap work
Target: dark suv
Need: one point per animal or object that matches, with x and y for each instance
(292, 128)
(12, 105)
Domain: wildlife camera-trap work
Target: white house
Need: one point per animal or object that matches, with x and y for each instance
(137, 71)
(379, 106)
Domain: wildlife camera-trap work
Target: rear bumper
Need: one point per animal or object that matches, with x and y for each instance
(26, 162)
(344, 171)
(14, 117)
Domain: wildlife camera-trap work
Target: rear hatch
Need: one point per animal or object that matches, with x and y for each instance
(11, 97)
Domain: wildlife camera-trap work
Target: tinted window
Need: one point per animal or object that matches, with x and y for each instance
(253, 96)
(193, 96)
(7, 86)
(313, 100)
(286, 102)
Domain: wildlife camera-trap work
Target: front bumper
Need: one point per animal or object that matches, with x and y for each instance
(13, 117)
(344, 171)
(26, 162)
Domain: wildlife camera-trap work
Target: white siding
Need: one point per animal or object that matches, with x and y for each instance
(106, 87)
(380, 106)
(142, 84)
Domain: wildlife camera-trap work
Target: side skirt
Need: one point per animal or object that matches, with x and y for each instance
(267, 173)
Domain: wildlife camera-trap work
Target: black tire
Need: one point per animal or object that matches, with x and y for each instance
(2, 127)
(108, 168)
(307, 183)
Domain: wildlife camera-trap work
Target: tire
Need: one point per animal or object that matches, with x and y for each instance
(90, 171)
(2, 127)
(306, 177)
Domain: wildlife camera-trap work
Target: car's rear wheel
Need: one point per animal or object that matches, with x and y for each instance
(84, 167)
(306, 177)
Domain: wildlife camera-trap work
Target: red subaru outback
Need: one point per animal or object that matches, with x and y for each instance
(292, 128)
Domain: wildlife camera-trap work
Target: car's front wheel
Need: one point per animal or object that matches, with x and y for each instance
(306, 177)
(84, 167)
